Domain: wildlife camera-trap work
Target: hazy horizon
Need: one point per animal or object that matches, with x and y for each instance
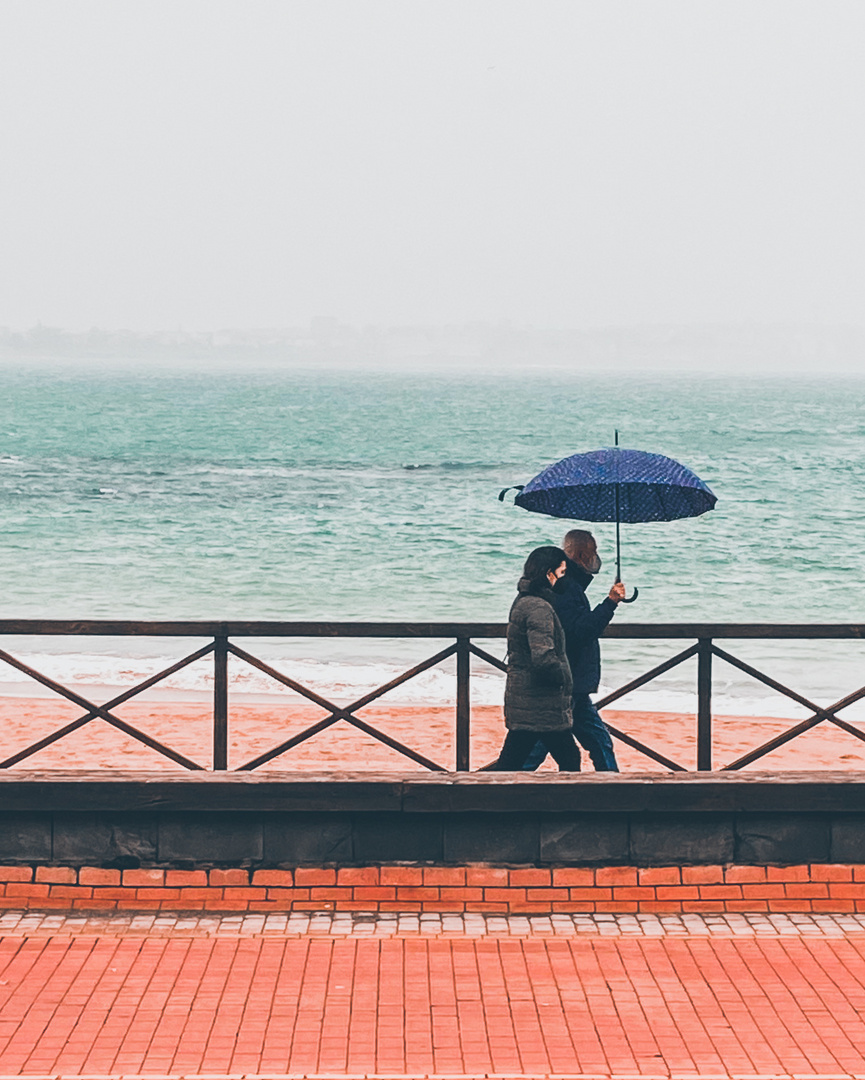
(555, 164)
(469, 349)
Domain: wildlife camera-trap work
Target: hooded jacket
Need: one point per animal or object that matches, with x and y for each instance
(538, 686)
(583, 625)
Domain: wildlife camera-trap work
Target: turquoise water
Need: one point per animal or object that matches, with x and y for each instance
(303, 495)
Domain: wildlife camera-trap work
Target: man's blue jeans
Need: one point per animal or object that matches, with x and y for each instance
(590, 732)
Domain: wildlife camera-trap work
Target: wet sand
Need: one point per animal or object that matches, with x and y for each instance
(254, 728)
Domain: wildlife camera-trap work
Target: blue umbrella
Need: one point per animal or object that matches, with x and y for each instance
(618, 485)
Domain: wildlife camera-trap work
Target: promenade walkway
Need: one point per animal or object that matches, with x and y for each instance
(277, 996)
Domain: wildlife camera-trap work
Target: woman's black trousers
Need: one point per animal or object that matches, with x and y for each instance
(517, 745)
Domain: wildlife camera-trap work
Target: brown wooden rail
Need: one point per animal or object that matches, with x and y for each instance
(702, 635)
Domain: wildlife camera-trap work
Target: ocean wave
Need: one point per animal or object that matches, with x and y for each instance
(383, 505)
(343, 682)
(451, 466)
(337, 681)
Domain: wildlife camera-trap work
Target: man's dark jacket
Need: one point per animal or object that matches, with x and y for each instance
(583, 625)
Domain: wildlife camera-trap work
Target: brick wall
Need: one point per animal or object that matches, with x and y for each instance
(809, 887)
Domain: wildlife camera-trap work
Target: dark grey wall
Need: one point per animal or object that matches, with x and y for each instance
(128, 820)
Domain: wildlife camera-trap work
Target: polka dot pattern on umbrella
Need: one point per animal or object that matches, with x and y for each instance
(650, 487)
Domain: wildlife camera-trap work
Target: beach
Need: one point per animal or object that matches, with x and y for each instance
(351, 497)
(255, 727)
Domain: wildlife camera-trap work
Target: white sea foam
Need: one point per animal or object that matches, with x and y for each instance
(345, 681)
(337, 681)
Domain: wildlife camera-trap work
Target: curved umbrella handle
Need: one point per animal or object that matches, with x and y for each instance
(514, 487)
(631, 599)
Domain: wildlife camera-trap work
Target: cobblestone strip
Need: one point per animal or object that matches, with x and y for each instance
(32, 923)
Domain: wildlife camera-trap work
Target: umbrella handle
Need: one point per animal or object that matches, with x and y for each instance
(631, 599)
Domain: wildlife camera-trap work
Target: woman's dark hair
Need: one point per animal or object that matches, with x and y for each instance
(539, 563)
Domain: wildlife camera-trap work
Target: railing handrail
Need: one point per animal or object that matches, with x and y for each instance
(273, 628)
(462, 647)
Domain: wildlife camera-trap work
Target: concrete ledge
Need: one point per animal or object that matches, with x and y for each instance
(434, 793)
(188, 821)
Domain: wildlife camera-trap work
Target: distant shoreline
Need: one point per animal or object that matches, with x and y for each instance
(466, 349)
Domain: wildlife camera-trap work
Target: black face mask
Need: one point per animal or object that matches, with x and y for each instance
(559, 585)
(594, 566)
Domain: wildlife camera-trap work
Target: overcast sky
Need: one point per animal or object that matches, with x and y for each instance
(254, 163)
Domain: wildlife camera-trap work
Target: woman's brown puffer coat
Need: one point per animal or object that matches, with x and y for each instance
(538, 687)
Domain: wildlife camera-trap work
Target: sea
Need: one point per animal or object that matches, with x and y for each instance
(373, 495)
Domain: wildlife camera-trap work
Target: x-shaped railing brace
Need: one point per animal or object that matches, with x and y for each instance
(639, 681)
(102, 711)
(634, 684)
(819, 715)
(336, 713)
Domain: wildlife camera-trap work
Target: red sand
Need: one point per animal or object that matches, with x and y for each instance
(429, 730)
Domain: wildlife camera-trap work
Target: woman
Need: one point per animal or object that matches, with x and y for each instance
(538, 687)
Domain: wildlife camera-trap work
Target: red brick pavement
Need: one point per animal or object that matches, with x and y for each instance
(470, 1006)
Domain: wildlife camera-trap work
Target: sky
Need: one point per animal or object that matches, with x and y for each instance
(202, 164)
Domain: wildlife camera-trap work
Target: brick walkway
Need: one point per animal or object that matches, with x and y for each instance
(586, 996)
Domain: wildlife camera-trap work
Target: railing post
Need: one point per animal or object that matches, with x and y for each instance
(463, 705)
(704, 705)
(220, 703)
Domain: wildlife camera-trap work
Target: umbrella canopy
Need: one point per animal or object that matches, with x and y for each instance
(615, 484)
(618, 485)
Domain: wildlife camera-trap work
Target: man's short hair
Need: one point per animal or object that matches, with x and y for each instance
(577, 543)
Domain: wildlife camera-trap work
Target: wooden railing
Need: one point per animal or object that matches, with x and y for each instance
(462, 636)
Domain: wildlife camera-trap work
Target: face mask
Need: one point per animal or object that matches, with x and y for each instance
(592, 566)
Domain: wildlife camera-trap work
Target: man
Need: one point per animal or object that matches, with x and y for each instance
(583, 625)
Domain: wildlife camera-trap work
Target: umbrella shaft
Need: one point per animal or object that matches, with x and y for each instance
(618, 553)
(618, 538)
